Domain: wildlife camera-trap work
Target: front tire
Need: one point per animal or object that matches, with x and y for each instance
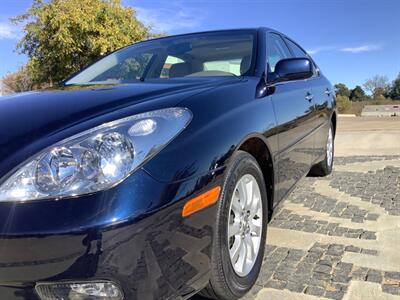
(240, 236)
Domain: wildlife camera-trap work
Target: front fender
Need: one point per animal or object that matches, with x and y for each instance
(222, 120)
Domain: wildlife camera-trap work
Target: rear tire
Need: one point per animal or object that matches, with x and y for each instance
(234, 272)
(324, 167)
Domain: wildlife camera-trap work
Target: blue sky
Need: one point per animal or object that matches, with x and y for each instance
(351, 40)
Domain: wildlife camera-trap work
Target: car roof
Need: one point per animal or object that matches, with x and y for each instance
(216, 31)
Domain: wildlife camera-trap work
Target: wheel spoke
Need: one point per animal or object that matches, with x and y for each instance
(234, 229)
(256, 206)
(242, 257)
(236, 206)
(235, 250)
(250, 246)
(255, 228)
(242, 193)
(249, 186)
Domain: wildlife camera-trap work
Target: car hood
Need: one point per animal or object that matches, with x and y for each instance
(32, 121)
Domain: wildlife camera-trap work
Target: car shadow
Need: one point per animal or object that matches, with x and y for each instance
(198, 297)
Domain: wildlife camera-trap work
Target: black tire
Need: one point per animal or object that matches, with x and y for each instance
(224, 283)
(323, 168)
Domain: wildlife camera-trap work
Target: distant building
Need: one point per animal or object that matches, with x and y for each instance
(392, 110)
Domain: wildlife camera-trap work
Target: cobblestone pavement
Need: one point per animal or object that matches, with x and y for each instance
(337, 237)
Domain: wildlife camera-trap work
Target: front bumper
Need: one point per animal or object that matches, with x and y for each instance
(133, 235)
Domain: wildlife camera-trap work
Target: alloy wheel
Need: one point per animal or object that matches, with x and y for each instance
(245, 225)
(329, 148)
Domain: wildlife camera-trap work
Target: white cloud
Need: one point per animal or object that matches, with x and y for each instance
(8, 31)
(362, 48)
(319, 49)
(169, 19)
(358, 49)
(313, 51)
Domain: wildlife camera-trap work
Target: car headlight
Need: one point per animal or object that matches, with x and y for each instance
(96, 159)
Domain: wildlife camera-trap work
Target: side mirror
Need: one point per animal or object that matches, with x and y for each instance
(293, 69)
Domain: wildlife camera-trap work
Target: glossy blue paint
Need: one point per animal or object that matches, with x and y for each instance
(130, 234)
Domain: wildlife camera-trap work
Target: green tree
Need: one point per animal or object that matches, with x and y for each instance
(357, 94)
(342, 89)
(62, 36)
(394, 92)
(343, 103)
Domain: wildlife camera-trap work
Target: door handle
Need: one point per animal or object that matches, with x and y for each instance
(309, 96)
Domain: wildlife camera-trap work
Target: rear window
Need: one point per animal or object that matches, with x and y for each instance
(230, 65)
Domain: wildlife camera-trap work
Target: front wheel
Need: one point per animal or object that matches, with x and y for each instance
(324, 167)
(239, 240)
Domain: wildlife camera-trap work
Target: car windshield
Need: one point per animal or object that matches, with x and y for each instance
(228, 53)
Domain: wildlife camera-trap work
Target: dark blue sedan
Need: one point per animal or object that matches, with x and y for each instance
(152, 173)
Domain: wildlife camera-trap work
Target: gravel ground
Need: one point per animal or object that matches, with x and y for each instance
(336, 237)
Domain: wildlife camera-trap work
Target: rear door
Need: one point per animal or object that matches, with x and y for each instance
(294, 111)
(321, 90)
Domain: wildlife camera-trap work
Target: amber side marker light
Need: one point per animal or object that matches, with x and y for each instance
(200, 202)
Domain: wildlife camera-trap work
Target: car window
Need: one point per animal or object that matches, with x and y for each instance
(297, 51)
(276, 50)
(168, 64)
(230, 66)
(203, 55)
(130, 68)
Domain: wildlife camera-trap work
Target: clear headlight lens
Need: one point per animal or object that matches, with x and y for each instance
(96, 159)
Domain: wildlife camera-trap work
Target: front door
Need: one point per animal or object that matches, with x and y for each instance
(294, 110)
(295, 119)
